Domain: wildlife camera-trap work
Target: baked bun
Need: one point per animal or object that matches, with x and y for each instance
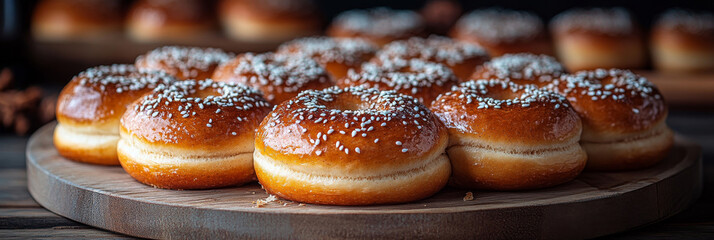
(417, 78)
(336, 55)
(89, 108)
(623, 118)
(502, 31)
(538, 149)
(192, 135)
(269, 20)
(378, 25)
(587, 39)
(184, 62)
(279, 76)
(169, 20)
(683, 41)
(521, 68)
(461, 57)
(351, 146)
(76, 19)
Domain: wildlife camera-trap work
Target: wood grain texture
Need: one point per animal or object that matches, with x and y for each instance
(13, 189)
(691, 90)
(593, 205)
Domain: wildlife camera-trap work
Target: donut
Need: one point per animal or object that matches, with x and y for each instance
(184, 62)
(279, 76)
(623, 118)
(522, 68)
(461, 57)
(56, 20)
(169, 20)
(351, 146)
(683, 41)
(539, 148)
(417, 78)
(502, 31)
(378, 25)
(90, 106)
(336, 55)
(268, 20)
(587, 39)
(192, 134)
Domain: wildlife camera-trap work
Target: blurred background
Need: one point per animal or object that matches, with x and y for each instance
(37, 59)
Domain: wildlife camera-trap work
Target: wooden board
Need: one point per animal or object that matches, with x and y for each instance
(593, 205)
(684, 90)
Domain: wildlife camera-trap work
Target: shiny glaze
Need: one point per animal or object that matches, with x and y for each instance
(94, 95)
(461, 57)
(640, 107)
(284, 137)
(184, 62)
(521, 68)
(417, 78)
(541, 122)
(278, 76)
(169, 126)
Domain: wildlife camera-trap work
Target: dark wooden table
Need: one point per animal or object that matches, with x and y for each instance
(21, 217)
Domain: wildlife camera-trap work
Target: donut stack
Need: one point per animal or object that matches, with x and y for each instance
(340, 121)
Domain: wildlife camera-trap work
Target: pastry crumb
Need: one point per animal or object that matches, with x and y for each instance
(262, 202)
(469, 196)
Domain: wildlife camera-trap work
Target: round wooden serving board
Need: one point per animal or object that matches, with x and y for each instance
(593, 205)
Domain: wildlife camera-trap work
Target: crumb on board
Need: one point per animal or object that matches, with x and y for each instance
(469, 196)
(262, 202)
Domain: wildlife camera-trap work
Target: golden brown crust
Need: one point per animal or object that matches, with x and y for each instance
(475, 170)
(613, 100)
(541, 150)
(623, 118)
(279, 76)
(187, 176)
(461, 57)
(184, 62)
(683, 41)
(415, 77)
(336, 55)
(378, 25)
(522, 68)
(67, 19)
(502, 31)
(269, 21)
(588, 39)
(352, 133)
(480, 109)
(90, 106)
(196, 114)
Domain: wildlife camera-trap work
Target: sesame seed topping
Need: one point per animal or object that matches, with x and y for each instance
(497, 25)
(380, 22)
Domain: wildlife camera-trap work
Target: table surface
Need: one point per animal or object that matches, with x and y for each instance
(22, 217)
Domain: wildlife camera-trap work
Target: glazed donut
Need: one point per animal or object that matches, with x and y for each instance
(683, 41)
(461, 57)
(417, 78)
(169, 20)
(521, 68)
(90, 106)
(76, 19)
(378, 25)
(184, 62)
(623, 118)
(351, 146)
(269, 20)
(279, 76)
(336, 55)
(539, 149)
(587, 39)
(502, 31)
(192, 135)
